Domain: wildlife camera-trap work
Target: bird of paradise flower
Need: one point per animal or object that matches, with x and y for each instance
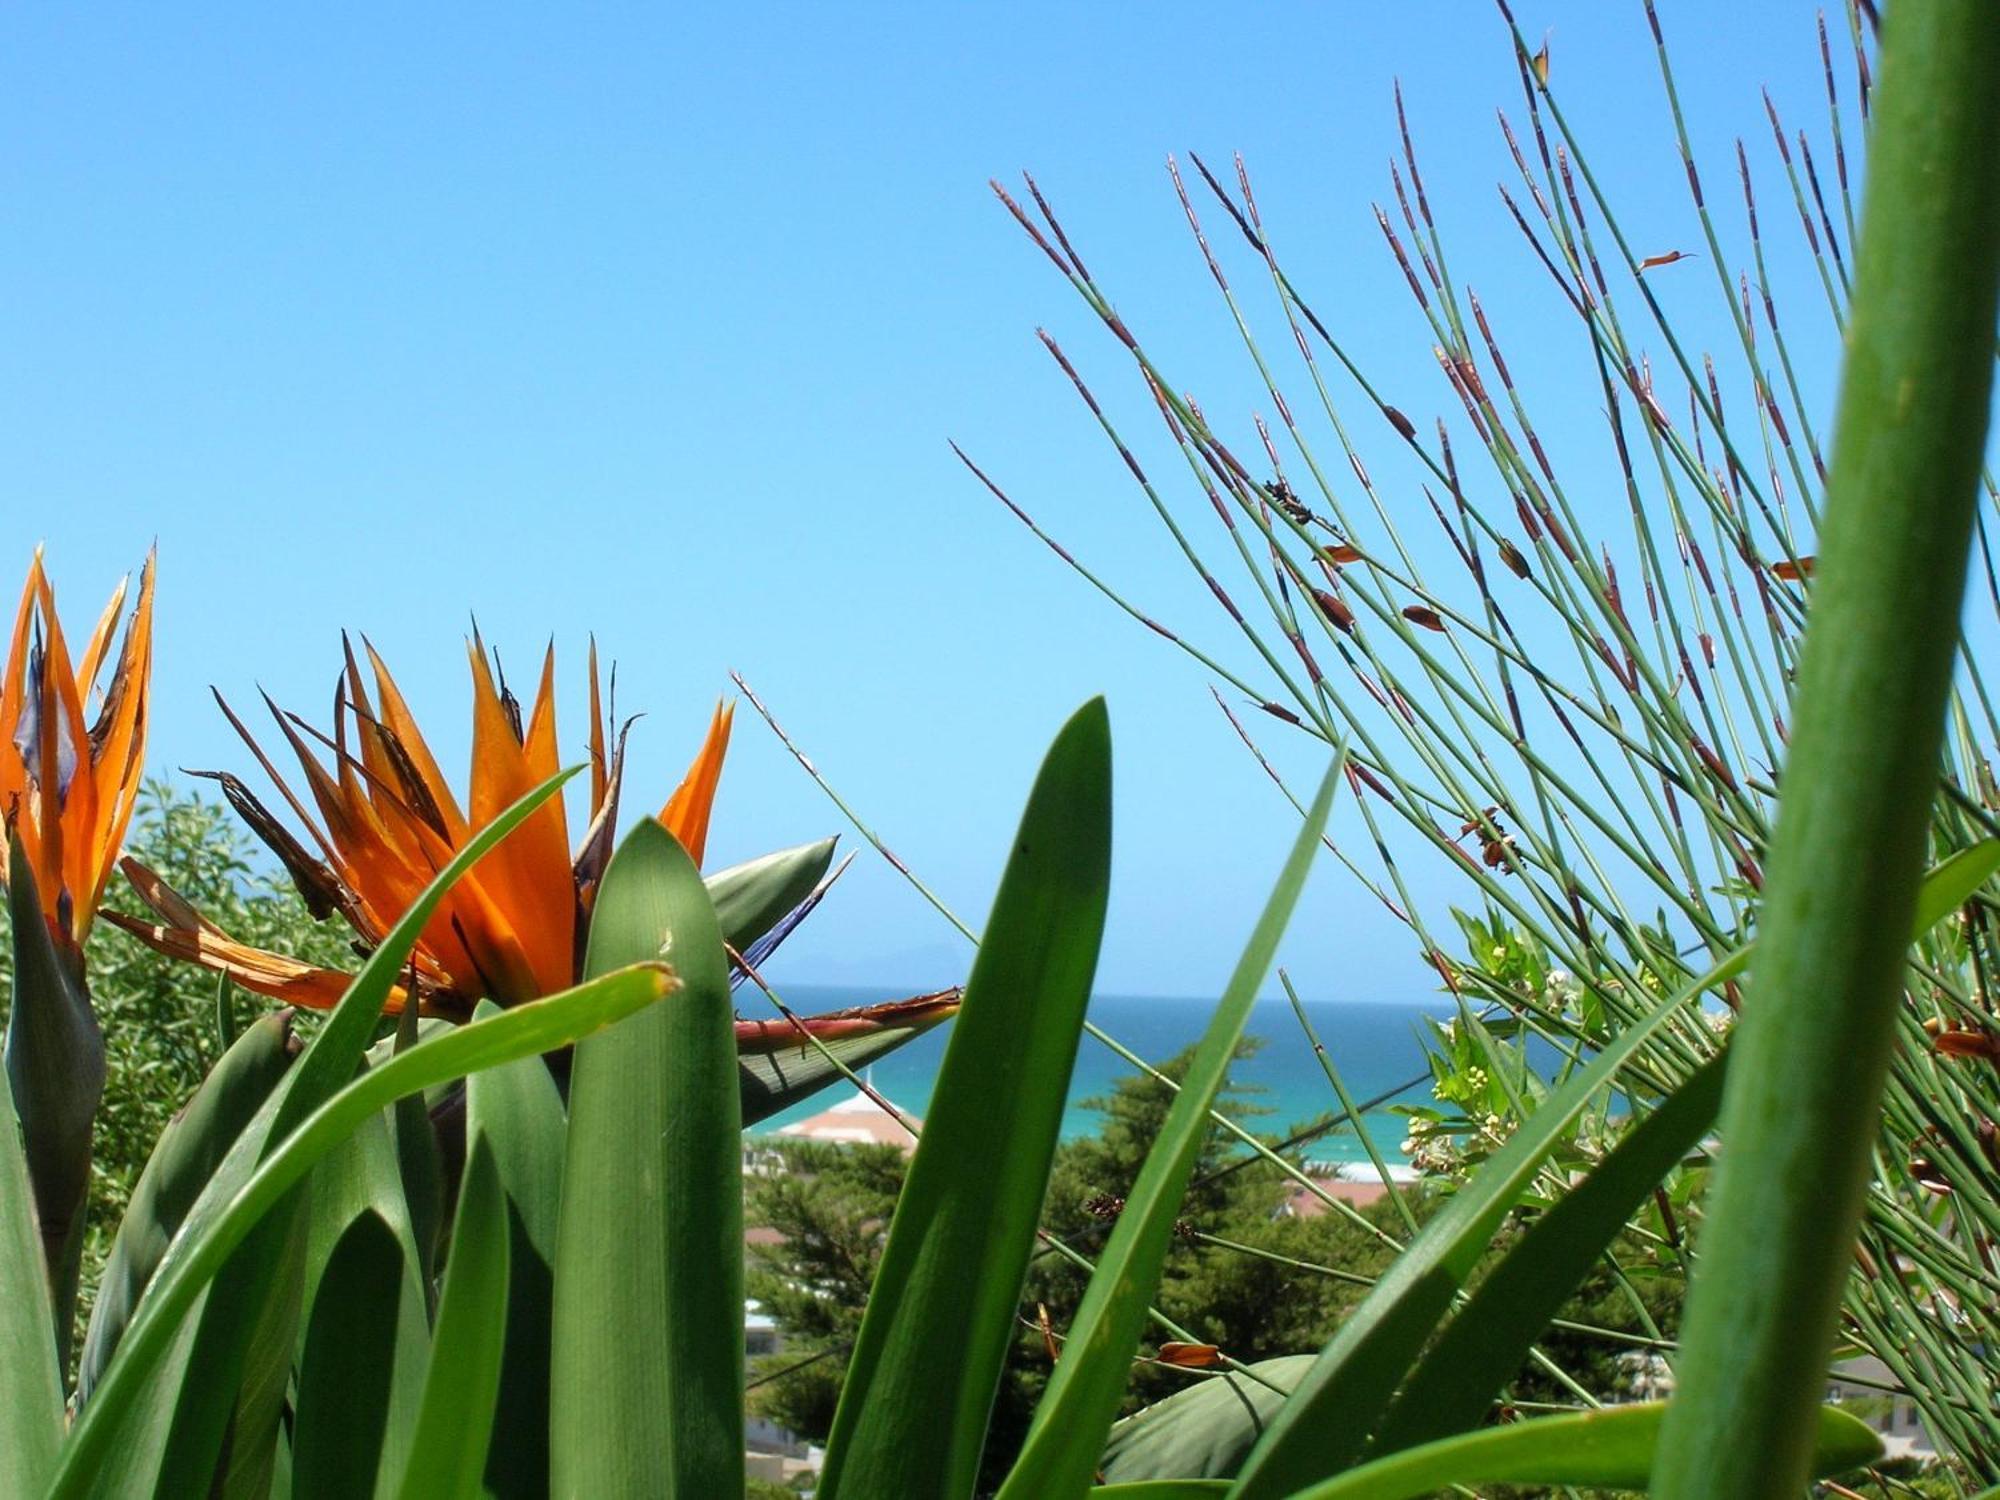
(67, 786)
(380, 820)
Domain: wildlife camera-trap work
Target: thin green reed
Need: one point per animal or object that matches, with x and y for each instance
(1633, 763)
(1799, 1120)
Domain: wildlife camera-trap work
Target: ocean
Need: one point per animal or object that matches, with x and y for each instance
(1376, 1048)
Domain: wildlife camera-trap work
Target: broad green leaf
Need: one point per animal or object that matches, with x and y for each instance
(647, 1338)
(346, 1367)
(1609, 1449)
(1204, 1431)
(1161, 1489)
(1324, 1426)
(455, 1419)
(419, 1164)
(1066, 1436)
(516, 1113)
(221, 1223)
(31, 1401)
(359, 1179)
(753, 897)
(55, 1067)
(1484, 1346)
(775, 1077)
(919, 1390)
(184, 1158)
(240, 1364)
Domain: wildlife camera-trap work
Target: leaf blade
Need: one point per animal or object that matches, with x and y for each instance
(649, 1342)
(1611, 1448)
(455, 1415)
(912, 1414)
(1066, 1436)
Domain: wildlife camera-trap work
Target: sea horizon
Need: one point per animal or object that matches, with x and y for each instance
(1374, 1045)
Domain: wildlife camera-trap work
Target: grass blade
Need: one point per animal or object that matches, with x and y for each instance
(647, 1338)
(1608, 1449)
(1483, 1347)
(913, 1412)
(362, 1178)
(455, 1417)
(1066, 1437)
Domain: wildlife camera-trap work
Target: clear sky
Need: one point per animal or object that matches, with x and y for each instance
(655, 321)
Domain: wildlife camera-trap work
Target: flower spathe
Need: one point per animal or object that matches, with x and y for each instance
(381, 820)
(69, 780)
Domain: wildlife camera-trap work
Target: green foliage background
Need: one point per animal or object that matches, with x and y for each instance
(1244, 1275)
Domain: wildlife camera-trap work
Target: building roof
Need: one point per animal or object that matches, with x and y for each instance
(856, 1120)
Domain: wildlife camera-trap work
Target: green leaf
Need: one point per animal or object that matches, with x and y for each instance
(455, 1420)
(31, 1401)
(913, 1410)
(1161, 1489)
(1323, 1427)
(1067, 1434)
(753, 897)
(648, 1319)
(516, 1113)
(226, 1417)
(55, 1067)
(183, 1160)
(1952, 882)
(419, 1164)
(1610, 1449)
(1204, 1431)
(346, 1367)
(220, 1222)
(359, 1179)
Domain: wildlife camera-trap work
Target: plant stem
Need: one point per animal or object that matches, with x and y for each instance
(1800, 1115)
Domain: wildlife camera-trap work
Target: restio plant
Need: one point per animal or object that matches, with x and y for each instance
(1561, 625)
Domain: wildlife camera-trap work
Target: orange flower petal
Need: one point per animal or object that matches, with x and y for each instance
(529, 873)
(187, 935)
(396, 718)
(687, 812)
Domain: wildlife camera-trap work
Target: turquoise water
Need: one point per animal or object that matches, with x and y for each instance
(1375, 1047)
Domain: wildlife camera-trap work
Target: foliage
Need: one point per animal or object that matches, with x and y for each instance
(1243, 1274)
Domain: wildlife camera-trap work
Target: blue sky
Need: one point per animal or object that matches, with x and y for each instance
(656, 323)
